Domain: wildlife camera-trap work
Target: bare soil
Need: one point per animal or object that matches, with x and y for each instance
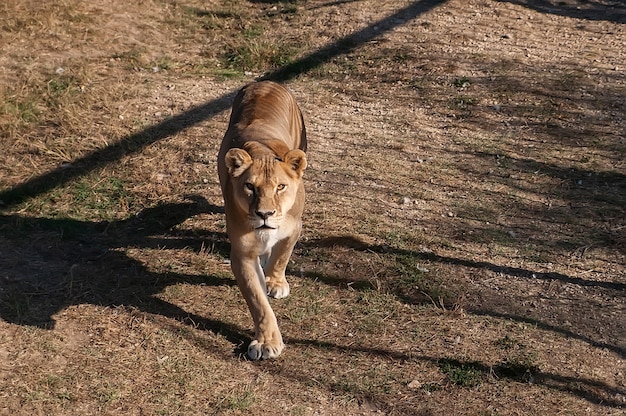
(464, 249)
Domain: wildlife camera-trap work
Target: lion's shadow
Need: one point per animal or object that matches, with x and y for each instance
(50, 264)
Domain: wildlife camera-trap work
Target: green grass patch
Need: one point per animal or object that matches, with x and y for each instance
(240, 399)
(415, 283)
(105, 199)
(464, 374)
(257, 55)
(24, 110)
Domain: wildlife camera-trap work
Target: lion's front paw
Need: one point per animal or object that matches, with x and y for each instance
(277, 289)
(267, 350)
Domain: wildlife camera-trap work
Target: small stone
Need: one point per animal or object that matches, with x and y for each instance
(405, 201)
(414, 385)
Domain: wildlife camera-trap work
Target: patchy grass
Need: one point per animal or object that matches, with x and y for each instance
(463, 242)
(464, 374)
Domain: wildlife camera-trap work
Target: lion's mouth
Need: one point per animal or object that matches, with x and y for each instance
(265, 227)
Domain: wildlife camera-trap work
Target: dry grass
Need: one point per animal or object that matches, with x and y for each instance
(463, 250)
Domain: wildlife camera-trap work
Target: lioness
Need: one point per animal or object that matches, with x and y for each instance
(260, 165)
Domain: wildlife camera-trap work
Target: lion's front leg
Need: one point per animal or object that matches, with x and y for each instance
(275, 266)
(268, 342)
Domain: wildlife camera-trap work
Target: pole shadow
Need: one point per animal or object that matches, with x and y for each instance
(136, 142)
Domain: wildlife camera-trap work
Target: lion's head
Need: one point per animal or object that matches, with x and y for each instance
(265, 188)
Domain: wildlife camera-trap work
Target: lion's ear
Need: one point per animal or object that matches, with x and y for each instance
(237, 161)
(296, 159)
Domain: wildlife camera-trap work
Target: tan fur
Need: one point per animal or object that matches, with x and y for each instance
(260, 166)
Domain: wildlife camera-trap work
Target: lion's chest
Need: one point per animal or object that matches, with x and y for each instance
(266, 239)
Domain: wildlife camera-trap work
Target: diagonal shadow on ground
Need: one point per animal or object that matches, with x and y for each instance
(588, 389)
(618, 289)
(138, 141)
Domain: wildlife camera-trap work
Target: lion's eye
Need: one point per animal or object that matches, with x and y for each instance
(281, 187)
(249, 187)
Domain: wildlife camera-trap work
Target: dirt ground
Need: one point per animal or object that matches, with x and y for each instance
(463, 252)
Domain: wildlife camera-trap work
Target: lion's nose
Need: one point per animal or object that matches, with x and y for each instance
(265, 214)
